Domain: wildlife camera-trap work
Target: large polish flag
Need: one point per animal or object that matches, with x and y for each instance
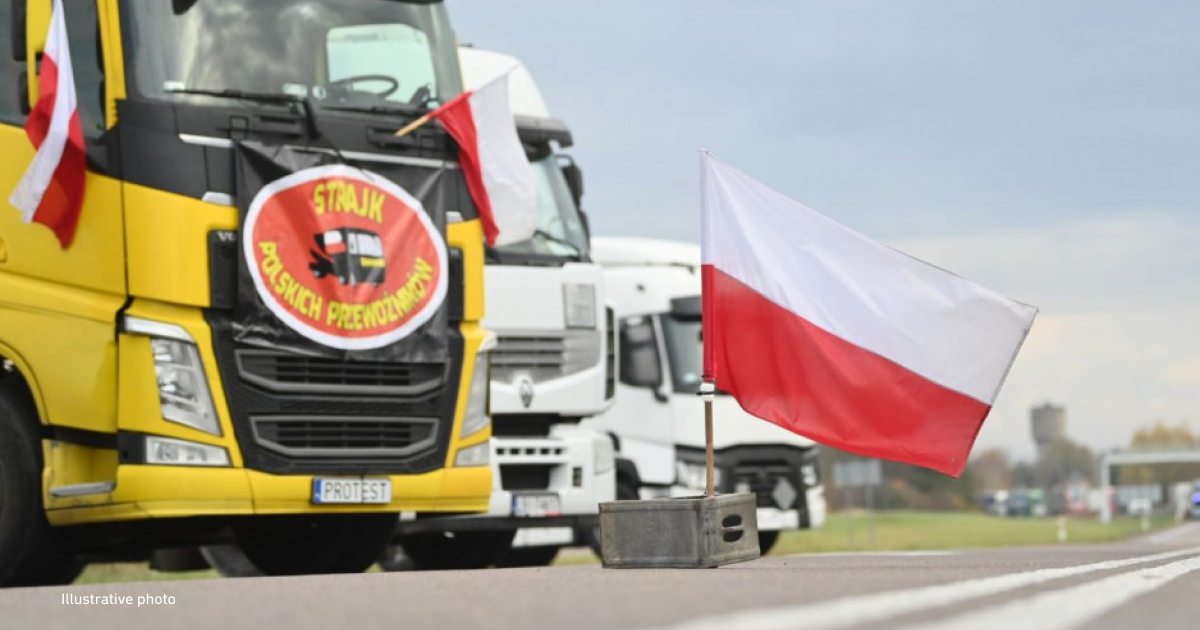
(827, 333)
(493, 160)
(51, 191)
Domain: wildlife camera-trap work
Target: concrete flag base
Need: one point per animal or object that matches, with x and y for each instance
(682, 533)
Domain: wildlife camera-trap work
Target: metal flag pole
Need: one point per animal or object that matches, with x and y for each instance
(707, 392)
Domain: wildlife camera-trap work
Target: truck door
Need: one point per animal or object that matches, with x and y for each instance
(641, 414)
(95, 260)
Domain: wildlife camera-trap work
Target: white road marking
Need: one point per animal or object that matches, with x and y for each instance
(1171, 534)
(842, 613)
(1067, 608)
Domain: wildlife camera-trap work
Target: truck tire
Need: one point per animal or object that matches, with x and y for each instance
(528, 557)
(444, 551)
(229, 561)
(310, 544)
(766, 540)
(31, 552)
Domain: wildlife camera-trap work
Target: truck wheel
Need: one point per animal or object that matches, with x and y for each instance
(442, 551)
(394, 559)
(766, 540)
(528, 557)
(308, 544)
(31, 552)
(229, 561)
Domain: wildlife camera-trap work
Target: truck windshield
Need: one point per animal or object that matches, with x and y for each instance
(560, 232)
(337, 52)
(685, 351)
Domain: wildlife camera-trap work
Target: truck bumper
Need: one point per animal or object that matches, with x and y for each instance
(566, 460)
(147, 492)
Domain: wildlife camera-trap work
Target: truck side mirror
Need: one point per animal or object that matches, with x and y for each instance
(640, 364)
(574, 176)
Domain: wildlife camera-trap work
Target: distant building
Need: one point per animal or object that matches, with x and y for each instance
(1049, 424)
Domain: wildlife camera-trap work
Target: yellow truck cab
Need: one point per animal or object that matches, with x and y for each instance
(141, 408)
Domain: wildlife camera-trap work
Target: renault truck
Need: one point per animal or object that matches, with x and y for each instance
(178, 375)
(553, 365)
(657, 422)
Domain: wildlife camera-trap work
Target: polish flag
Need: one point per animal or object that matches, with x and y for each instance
(51, 191)
(829, 334)
(498, 174)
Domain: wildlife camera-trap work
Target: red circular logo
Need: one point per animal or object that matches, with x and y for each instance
(345, 257)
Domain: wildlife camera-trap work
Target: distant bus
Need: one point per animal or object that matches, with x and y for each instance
(354, 256)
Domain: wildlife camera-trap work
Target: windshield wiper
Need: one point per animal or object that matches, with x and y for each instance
(305, 104)
(395, 110)
(561, 241)
(261, 97)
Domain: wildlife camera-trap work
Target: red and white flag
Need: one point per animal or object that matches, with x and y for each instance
(497, 171)
(827, 333)
(51, 191)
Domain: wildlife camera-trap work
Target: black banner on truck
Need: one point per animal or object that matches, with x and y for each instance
(337, 260)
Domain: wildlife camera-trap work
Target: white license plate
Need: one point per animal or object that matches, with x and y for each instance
(351, 491)
(537, 505)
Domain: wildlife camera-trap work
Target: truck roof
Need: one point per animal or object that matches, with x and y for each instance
(524, 96)
(643, 275)
(644, 252)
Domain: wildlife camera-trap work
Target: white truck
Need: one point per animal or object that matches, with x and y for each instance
(657, 422)
(554, 365)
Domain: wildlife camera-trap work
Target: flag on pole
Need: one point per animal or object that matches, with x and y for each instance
(51, 191)
(827, 333)
(498, 174)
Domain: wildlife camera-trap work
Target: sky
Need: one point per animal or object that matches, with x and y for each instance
(1048, 150)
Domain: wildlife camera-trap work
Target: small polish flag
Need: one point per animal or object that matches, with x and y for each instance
(829, 334)
(497, 171)
(51, 191)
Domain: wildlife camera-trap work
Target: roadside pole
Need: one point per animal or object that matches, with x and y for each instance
(871, 515)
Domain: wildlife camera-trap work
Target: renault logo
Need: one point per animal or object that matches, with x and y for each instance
(525, 389)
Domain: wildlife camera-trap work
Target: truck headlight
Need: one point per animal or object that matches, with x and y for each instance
(171, 452)
(478, 455)
(604, 459)
(579, 305)
(182, 386)
(693, 475)
(476, 417)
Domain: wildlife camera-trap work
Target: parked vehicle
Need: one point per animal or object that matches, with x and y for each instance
(553, 366)
(657, 422)
(132, 417)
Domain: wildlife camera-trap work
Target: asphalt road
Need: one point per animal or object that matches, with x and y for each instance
(1148, 584)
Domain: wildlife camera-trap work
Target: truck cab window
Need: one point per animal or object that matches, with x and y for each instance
(640, 363)
(83, 35)
(390, 60)
(83, 30)
(685, 350)
(10, 69)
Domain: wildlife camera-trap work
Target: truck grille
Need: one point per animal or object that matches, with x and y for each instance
(544, 357)
(764, 480)
(320, 436)
(287, 372)
(525, 476)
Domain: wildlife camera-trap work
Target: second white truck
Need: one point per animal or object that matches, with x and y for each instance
(554, 365)
(657, 423)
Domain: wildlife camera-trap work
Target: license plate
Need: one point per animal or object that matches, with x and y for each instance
(537, 505)
(343, 490)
